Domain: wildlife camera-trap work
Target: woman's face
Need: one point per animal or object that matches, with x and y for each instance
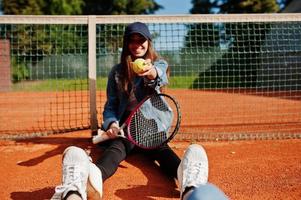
(138, 45)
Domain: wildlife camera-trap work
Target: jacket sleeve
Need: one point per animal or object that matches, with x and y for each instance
(161, 79)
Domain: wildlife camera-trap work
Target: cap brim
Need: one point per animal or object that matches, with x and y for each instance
(139, 32)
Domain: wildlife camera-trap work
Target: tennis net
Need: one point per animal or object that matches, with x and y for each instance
(235, 76)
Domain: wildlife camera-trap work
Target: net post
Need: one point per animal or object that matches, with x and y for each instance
(92, 72)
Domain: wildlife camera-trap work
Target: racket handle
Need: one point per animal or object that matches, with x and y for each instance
(100, 137)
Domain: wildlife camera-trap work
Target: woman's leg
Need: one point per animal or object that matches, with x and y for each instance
(193, 176)
(205, 192)
(113, 155)
(167, 159)
(73, 196)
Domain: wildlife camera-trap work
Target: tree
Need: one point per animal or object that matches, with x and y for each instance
(34, 42)
(237, 6)
(63, 7)
(118, 7)
(203, 6)
(250, 6)
(237, 67)
(42, 7)
(76, 7)
(25, 7)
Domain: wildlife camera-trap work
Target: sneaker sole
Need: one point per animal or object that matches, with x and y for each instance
(92, 193)
(94, 185)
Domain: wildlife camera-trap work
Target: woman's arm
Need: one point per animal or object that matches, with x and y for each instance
(156, 76)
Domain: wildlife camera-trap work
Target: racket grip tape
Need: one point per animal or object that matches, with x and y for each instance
(100, 137)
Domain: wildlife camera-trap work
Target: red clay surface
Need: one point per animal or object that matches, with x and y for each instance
(258, 169)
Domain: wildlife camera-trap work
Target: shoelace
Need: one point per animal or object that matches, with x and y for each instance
(72, 178)
(194, 172)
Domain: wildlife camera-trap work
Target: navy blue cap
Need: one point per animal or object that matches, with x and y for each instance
(137, 27)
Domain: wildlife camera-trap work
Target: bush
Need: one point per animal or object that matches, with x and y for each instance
(19, 71)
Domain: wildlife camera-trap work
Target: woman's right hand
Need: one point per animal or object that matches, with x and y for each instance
(113, 131)
(149, 70)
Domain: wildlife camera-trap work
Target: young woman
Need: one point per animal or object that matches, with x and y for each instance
(125, 89)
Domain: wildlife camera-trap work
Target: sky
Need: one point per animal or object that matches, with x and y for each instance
(172, 7)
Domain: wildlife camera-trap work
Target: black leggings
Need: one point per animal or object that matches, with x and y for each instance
(119, 148)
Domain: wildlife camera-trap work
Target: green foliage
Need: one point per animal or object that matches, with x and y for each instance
(202, 35)
(237, 67)
(250, 6)
(110, 37)
(142, 7)
(203, 6)
(76, 7)
(35, 41)
(236, 6)
(19, 71)
(63, 7)
(24, 7)
(118, 7)
(42, 7)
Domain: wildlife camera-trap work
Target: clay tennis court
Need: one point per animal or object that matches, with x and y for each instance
(243, 166)
(263, 169)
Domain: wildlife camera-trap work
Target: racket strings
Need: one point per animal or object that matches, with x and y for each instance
(159, 103)
(154, 122)
(167, 108)
(145, 132)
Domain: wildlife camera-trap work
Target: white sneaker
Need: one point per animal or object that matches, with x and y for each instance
(193, 169)
(75, 173)
(94, 187)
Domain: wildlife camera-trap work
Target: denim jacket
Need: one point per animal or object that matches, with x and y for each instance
(117, 100)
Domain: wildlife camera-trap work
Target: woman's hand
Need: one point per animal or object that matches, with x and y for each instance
(113, 131)
(149, 70)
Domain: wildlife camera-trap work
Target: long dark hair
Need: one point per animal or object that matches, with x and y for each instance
(127, 73)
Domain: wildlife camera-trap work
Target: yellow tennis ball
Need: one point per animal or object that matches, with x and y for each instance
(138, 65)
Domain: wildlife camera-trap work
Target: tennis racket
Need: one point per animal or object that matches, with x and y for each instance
(153, 122)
